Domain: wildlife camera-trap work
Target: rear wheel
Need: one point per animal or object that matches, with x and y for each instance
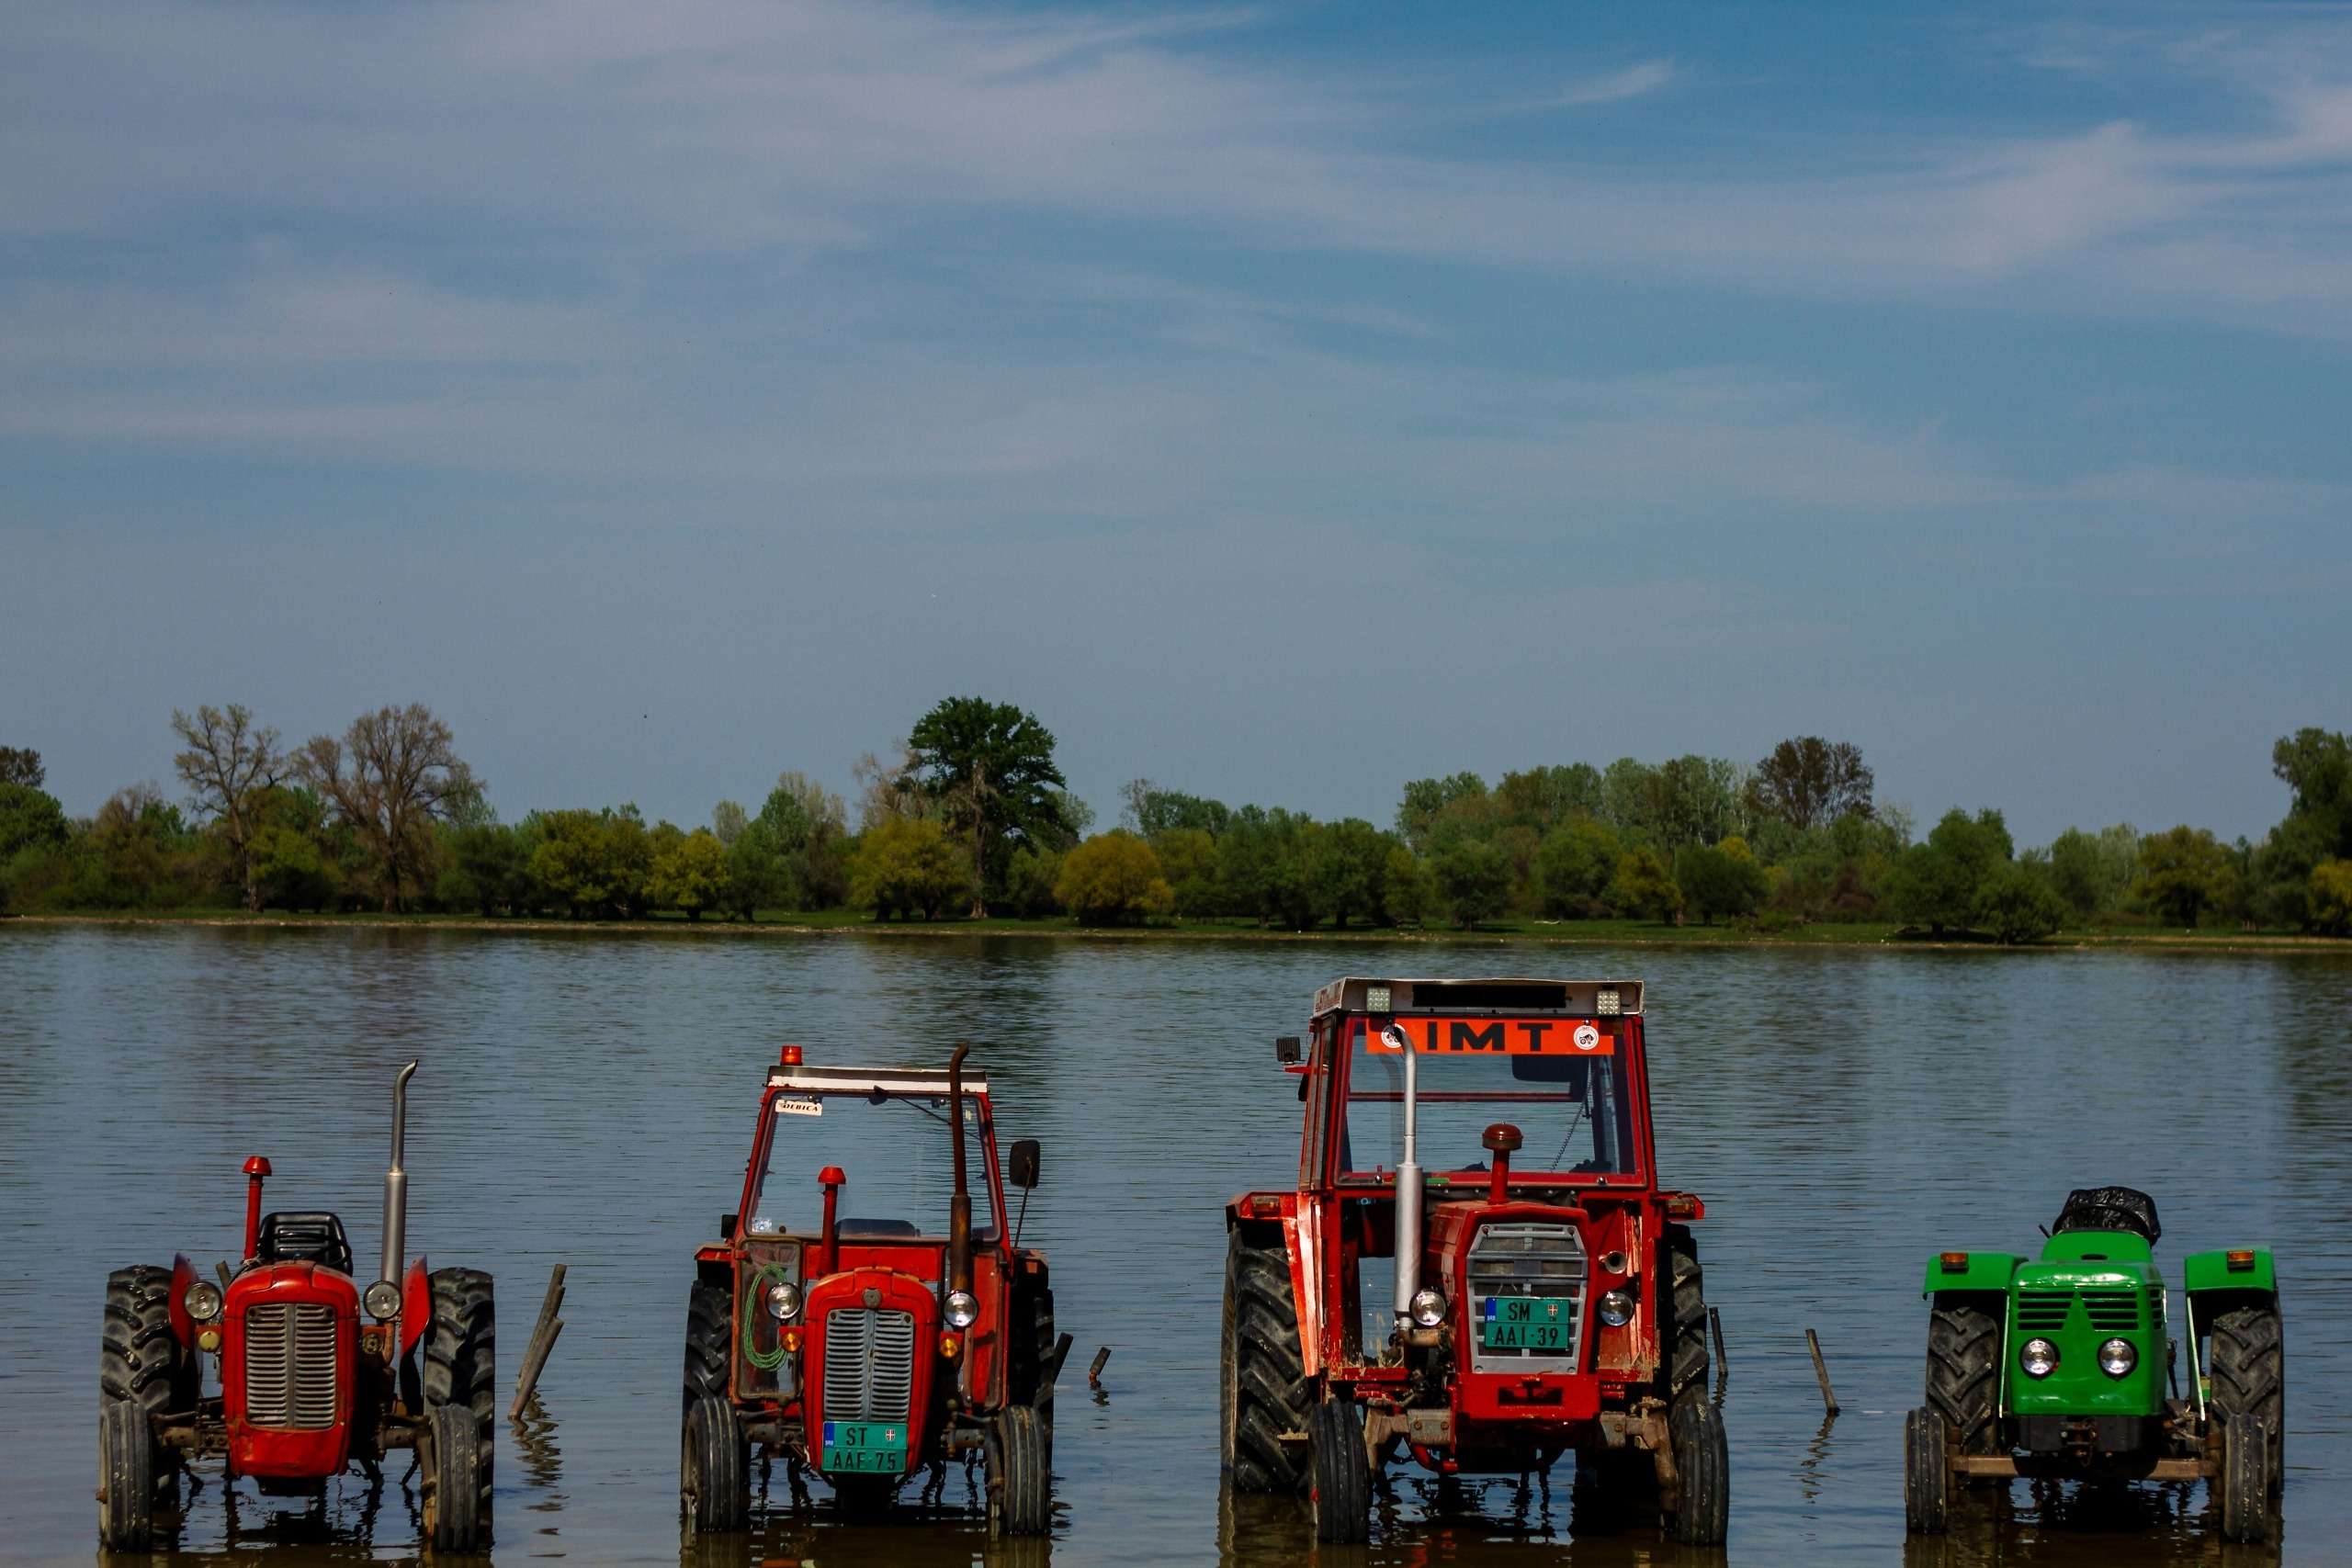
(126, 1477)
(2245, 1480)
(1341, 1492)
(1020, 1478)
(714, 1468)
(454, 1466)
(2248, 1365)
(1702, 1466)
(1963, 1372)
(1265, 1391)
(1684, 1319)
(460, 1374)
(1927, 1472)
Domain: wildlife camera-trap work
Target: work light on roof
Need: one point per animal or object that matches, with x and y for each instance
(1376, 998)
(1606, 1004)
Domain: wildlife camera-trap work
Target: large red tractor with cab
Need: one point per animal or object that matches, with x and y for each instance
(857, 1319)
(1477, 1266)
(308, 1387)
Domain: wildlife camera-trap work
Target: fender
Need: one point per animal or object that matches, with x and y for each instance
(182, 1326)
(416, 1305)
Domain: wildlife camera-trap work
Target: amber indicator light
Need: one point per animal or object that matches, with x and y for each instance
(2240, 1262)
(1955, 1262)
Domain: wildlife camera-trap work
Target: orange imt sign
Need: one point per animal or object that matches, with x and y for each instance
(1502, 1037)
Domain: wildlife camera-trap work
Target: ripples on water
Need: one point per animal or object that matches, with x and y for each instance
(587, 1099)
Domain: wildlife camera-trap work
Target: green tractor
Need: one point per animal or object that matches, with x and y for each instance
(2064, 1368)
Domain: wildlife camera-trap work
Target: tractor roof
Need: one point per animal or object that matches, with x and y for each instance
(1575, 999)
(856, 1081)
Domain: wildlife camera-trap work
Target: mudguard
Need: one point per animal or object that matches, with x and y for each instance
(1977, 1271)
(2243, 1268)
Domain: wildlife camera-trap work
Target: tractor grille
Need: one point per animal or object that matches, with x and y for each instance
(290, 1365)
(2112, 1312)
(869, 1364)
(1543, 1262)
(2043, 1312)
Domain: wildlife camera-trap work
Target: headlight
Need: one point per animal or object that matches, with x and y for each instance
(202, 1300)
(2039, 1358)
(382, 1301)
(2117, 1357)
(784, 1300)
(1616, 1308)
(963, 1309)
(1429, 1307)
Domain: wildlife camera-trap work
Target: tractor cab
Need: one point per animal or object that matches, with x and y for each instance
(870, 1312)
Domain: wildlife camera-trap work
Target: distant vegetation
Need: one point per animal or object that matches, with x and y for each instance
(971, 817)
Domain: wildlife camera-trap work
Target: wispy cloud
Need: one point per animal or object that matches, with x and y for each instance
(1614, 87)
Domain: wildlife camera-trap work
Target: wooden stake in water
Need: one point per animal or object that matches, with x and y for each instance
(543, 1336)
(1821, 1371)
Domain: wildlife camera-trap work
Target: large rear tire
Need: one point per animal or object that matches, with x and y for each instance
(1702, 1467)
(453, 1463)
(2248, 1365)
(1341, 1494)
(1262, 1374)
(1964, 1371)
(126, 1477)
(1684, 1321)
(714, 1468)
(1927, 1472)
(461, 1373)
(1019, 1473)
(2245, 1480)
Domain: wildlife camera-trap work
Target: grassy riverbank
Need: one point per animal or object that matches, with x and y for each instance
(1563, 933)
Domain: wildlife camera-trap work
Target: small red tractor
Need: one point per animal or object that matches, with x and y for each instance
(307, 1389)
(1477, 1264)
(872, 1345)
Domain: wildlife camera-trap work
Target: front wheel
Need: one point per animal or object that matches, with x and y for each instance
(1265, 1393)
(714, 1468)
(126, 1476)
(461, 1348)
(1927, 1473)
(1702, 1467)
(453, 1463)
(1020, 1472)
(1340, 1486)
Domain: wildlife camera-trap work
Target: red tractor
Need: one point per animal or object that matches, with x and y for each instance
(307, 1389)
(1477, 1264)
(871, 1345)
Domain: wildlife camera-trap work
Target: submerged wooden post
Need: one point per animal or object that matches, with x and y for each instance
(1821, 1371)
(1094, 1373)
(543, 1336)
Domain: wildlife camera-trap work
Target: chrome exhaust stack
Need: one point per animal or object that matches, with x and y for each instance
(395, 1205)
(1408, 1184)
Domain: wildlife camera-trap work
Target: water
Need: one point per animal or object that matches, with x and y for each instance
(587, 1098)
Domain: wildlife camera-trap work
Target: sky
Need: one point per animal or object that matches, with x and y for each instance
(1280, 401)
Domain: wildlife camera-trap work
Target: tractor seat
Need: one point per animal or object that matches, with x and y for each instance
(877, 1227)
(304, 1238)
(2109, 1209)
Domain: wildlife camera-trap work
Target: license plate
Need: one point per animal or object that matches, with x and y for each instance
(1528, 1323)
(865, 1447)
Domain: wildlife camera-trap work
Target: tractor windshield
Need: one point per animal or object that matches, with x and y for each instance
(895, 1149)
(1570, 1106)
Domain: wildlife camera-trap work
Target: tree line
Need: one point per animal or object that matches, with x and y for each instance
(971, 817)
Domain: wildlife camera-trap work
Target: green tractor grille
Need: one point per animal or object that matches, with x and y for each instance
(2043, 1312)
(2108, 1311)
(2112, 1312)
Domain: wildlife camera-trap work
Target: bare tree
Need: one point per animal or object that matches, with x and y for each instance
(887, 792)
(21, 765)
(1135, 800)
(228, 763)
(395, 773)
(1809, 781)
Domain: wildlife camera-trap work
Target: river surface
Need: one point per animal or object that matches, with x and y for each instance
(588, 1097)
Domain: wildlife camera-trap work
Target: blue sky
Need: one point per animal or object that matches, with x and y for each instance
(1281, 401)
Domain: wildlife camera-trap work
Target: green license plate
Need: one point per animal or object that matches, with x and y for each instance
(865, 1447)
(1528, 1323)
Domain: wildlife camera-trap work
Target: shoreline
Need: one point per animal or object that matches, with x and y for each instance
(1603, 934)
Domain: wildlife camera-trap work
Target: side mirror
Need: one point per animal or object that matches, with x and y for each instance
(1287, 1050)
(1020, 1164)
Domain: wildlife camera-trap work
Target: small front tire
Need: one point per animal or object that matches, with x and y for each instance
(126, 1476)
(1927, 1473)
(1340, 1485)
(1019, 1473)
(714, 1468)
(2245, 1480)
(1703, 1469)
(453, 1464)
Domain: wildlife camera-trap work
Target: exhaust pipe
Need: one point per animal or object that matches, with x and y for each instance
(396, 1186)
(1408, 1183)
(959, 1212)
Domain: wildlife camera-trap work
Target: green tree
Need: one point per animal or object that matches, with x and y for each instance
(1427, 799)
(1112, 879)
(2015, 904)
(689, 873)
(21, 765)
(1473, 880)
(906, 867)
(1574, 866)
(1188, 858)
(1809, 782)
(2183, 871)
(1645, 886)
(1411, 888)
(1029, 879)
(1936, 883)
(483, 870)
(2331, 897)
(990, 767)
(1149, 811)
(29, 817)
(1546, 797)
(2093, 872)
(591, 864)
(1720, 879)
(1265, 859)
(1348, 872)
